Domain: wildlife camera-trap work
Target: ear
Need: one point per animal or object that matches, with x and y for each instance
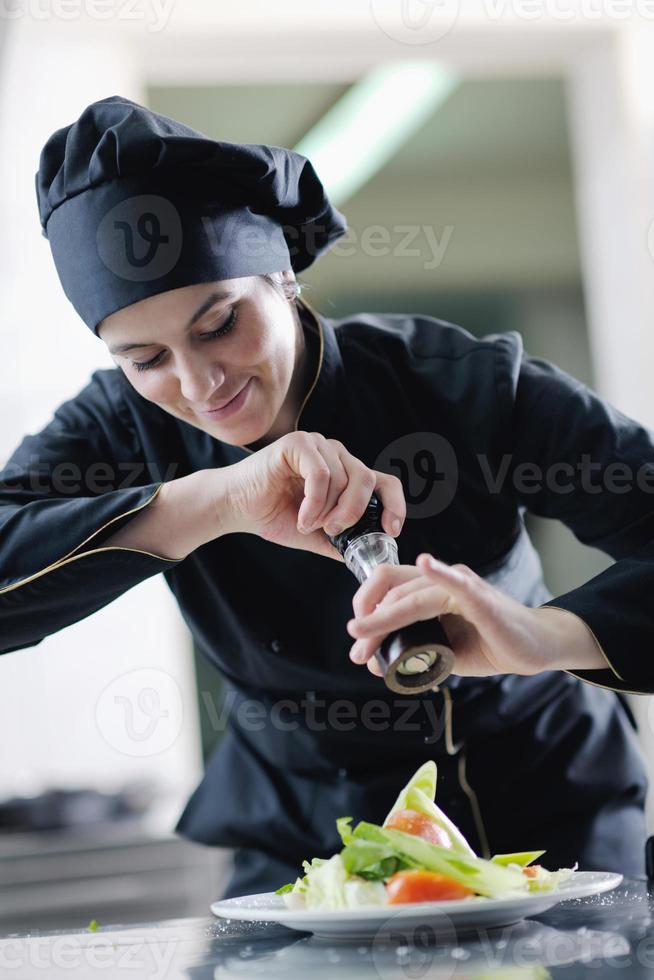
(287, 276)
(289, 284)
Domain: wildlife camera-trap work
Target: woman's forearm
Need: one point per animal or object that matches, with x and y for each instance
(185, 514)
(577, 647)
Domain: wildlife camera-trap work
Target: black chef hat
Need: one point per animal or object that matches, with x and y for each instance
(134, 204)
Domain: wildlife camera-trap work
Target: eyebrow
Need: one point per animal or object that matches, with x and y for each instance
(210, 301)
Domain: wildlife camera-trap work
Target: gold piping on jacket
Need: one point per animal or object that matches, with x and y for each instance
(452, 749)
(622, 690)
(599, 645)
(474, 803)
(71, 556)
(316, 320)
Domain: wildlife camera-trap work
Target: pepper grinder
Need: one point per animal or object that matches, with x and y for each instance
(416, 657)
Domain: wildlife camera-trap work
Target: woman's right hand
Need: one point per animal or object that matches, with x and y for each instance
(302, 486)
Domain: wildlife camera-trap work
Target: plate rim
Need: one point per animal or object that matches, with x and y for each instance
(284, 915)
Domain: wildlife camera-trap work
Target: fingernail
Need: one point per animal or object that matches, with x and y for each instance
(396, 526)
(333, 529)
(357, 656)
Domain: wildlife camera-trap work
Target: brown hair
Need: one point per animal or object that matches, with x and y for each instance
(284, 282)
(287, 285)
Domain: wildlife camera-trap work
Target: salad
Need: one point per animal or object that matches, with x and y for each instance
(416, 855)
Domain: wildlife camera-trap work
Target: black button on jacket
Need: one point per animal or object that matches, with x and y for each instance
(478, 432)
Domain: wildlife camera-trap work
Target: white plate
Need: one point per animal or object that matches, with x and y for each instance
(443, 919)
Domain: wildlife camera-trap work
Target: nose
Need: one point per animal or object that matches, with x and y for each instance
(199, 377)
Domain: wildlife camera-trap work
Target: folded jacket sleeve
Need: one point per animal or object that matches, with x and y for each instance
(574, 457)
(63, 492)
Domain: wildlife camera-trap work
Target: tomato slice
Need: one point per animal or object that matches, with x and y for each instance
(420, 825)
(423, 886)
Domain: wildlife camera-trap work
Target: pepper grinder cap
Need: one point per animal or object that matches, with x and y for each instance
(369, 521)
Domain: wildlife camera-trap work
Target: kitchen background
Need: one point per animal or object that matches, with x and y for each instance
(517, 148)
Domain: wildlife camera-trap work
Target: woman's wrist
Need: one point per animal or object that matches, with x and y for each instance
(202, 507)
(572, 644)
(186, 513)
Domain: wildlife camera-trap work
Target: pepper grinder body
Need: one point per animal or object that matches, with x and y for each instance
(417, 657)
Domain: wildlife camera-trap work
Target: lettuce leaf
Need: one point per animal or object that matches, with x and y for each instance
(323, 886)
(299, 885)
(344, 829)
(372, 861)
(483, 877)
(523, 858)
(328, 885)
(419, 794)
(369, 859)
(359, 892)
(547, 881)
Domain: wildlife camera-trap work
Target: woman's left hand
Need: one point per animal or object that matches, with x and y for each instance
(489, 631)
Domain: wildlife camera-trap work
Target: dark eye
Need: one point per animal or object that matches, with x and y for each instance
(219, 332)
(146, 365)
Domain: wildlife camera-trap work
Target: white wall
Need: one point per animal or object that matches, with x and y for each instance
(57, 727)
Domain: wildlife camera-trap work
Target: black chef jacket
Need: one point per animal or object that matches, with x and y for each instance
(548, 761)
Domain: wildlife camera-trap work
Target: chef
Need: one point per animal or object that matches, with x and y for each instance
(240, 426)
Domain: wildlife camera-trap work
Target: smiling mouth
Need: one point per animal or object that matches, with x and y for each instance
(216, 408)
(225, 404)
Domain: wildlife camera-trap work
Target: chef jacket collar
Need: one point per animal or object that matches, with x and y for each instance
(321, 399)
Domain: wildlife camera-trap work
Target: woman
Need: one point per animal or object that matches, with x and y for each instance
(273, 425)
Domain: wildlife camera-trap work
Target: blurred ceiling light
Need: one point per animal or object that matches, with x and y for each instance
(369, 124)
